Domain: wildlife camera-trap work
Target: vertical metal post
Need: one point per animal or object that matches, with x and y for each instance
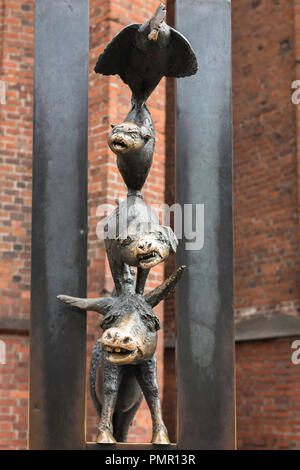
(59, 235)
(205, 341)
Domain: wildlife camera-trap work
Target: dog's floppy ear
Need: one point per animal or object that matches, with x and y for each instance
(171, 237)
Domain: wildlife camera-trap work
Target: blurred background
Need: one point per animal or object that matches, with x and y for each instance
(265, 62)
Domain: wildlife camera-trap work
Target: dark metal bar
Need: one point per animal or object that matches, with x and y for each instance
(59, 213)
(205, 330)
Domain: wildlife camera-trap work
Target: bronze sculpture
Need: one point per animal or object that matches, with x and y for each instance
(123, 365)
(134, 147)
(123, 360)
(134, 237)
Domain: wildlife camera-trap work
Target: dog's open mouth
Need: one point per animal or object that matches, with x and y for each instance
(120, 355)
(147, 259)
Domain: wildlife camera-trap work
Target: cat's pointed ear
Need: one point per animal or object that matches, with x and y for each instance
(100, 305)
(162, 291)
(113, 125)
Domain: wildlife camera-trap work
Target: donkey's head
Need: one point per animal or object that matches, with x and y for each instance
(129, 324)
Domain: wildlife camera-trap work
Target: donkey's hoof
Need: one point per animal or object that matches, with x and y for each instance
(105, 437)
(160, 438)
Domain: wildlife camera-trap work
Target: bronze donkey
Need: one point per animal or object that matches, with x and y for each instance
(123, 364)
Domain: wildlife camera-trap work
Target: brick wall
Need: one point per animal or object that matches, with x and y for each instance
(268, 395)
(266, 218)
(265, 161)
(16, 70)
(14, 392)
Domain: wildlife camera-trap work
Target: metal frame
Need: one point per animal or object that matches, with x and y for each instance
(205, 341)
(205, 328)
(59, 224)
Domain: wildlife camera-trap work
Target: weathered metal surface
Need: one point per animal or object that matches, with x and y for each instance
(123, 366)
(141, 54)
(134, 147)
(59, 212)
(205, 340)
(134, 237)
(151, 51)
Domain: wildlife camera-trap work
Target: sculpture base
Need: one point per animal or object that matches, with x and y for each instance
(130, 446)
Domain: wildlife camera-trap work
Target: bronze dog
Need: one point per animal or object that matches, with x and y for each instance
(134, 237)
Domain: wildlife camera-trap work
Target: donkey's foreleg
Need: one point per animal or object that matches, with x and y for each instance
(111, 382)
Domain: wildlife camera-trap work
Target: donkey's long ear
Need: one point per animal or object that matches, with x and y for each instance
(100, 305)
(168, 286)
